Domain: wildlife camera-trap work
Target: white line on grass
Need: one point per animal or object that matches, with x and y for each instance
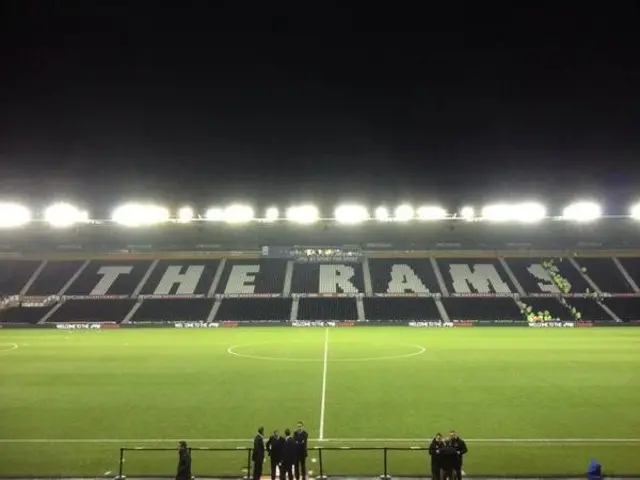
(326, 440)
(12, 346)
(325, 363)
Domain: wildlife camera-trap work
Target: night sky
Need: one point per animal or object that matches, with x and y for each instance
(218, 101)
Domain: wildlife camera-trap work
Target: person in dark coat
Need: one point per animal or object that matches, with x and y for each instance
(275, 445)
(184, 462)
(434, 451)
(258, 454)
(461, 449)
(288, 456)
(301, 438)
(447, 461)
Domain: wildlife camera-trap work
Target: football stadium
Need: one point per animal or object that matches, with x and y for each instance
(121, 337)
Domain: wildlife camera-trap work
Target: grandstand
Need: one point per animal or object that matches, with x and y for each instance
(73, 393)
(131, 288)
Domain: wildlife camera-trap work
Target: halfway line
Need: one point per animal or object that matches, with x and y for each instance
(324, 383)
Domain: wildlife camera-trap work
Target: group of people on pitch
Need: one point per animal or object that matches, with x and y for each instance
(446, 456)
(288, 453)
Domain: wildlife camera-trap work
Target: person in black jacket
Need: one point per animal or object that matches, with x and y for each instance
(434, 450)
(461, 449)
(447, 460)
(258, 454)
(274, 449)
(184, 462)
(288, 456)
(301, 437)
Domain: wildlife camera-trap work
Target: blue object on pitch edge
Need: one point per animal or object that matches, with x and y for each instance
(594, 472)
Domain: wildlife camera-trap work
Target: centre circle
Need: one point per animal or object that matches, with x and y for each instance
(414, 350)
(7, 347)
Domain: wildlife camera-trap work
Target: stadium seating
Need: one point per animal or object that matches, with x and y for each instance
(481, 308)
(413, 309)
(173, 310)
(90, 311)
(327, 309)
(406, 287)
(246, 309)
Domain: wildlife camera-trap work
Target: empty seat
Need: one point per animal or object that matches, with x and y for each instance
(389, 308)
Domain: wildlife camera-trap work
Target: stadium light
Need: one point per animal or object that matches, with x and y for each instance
(404, 213)
(431, 213)
(214, 214)
(467, 213)
(185, 214)
(238, 214)
(62, 215)
(139, 214)
(582, 212)
(351, 214)
(272, 214)
(635, 211)
(497, 213)
(526, 212)
(381, 214)
(13, 215)
(530, 212)
(304, 214)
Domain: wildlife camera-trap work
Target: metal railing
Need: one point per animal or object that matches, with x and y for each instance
(382, 472)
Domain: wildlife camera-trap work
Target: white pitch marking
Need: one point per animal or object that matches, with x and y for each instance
(324, 382)
(12, 346)
(232, 351)
(325, 440)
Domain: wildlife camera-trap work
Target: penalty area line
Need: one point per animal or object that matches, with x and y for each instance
(325, 440)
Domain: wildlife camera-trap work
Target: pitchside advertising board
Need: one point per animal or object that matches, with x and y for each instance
(319, 324)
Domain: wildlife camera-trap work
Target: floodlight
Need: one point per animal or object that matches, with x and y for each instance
(215, 214)
(61, 215)
(13, 215)
(238, 214)
(303, 214)
(272, 214)
(526, 212)
(351, 214)
(185, 214)
(467, 213)
(529, 212)
(497, 213)
(431, 213)
(635, 211)
(139, 214)
(382, 214)
(582, 212)
(404, 213)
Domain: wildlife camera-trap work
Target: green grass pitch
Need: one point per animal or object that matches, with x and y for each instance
(70, 399)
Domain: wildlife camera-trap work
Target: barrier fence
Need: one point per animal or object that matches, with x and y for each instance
(378, 469)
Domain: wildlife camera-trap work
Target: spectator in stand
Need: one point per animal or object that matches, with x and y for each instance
(594, 472)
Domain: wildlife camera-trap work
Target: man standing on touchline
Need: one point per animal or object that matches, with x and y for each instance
(301, 437)
(258, 454)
